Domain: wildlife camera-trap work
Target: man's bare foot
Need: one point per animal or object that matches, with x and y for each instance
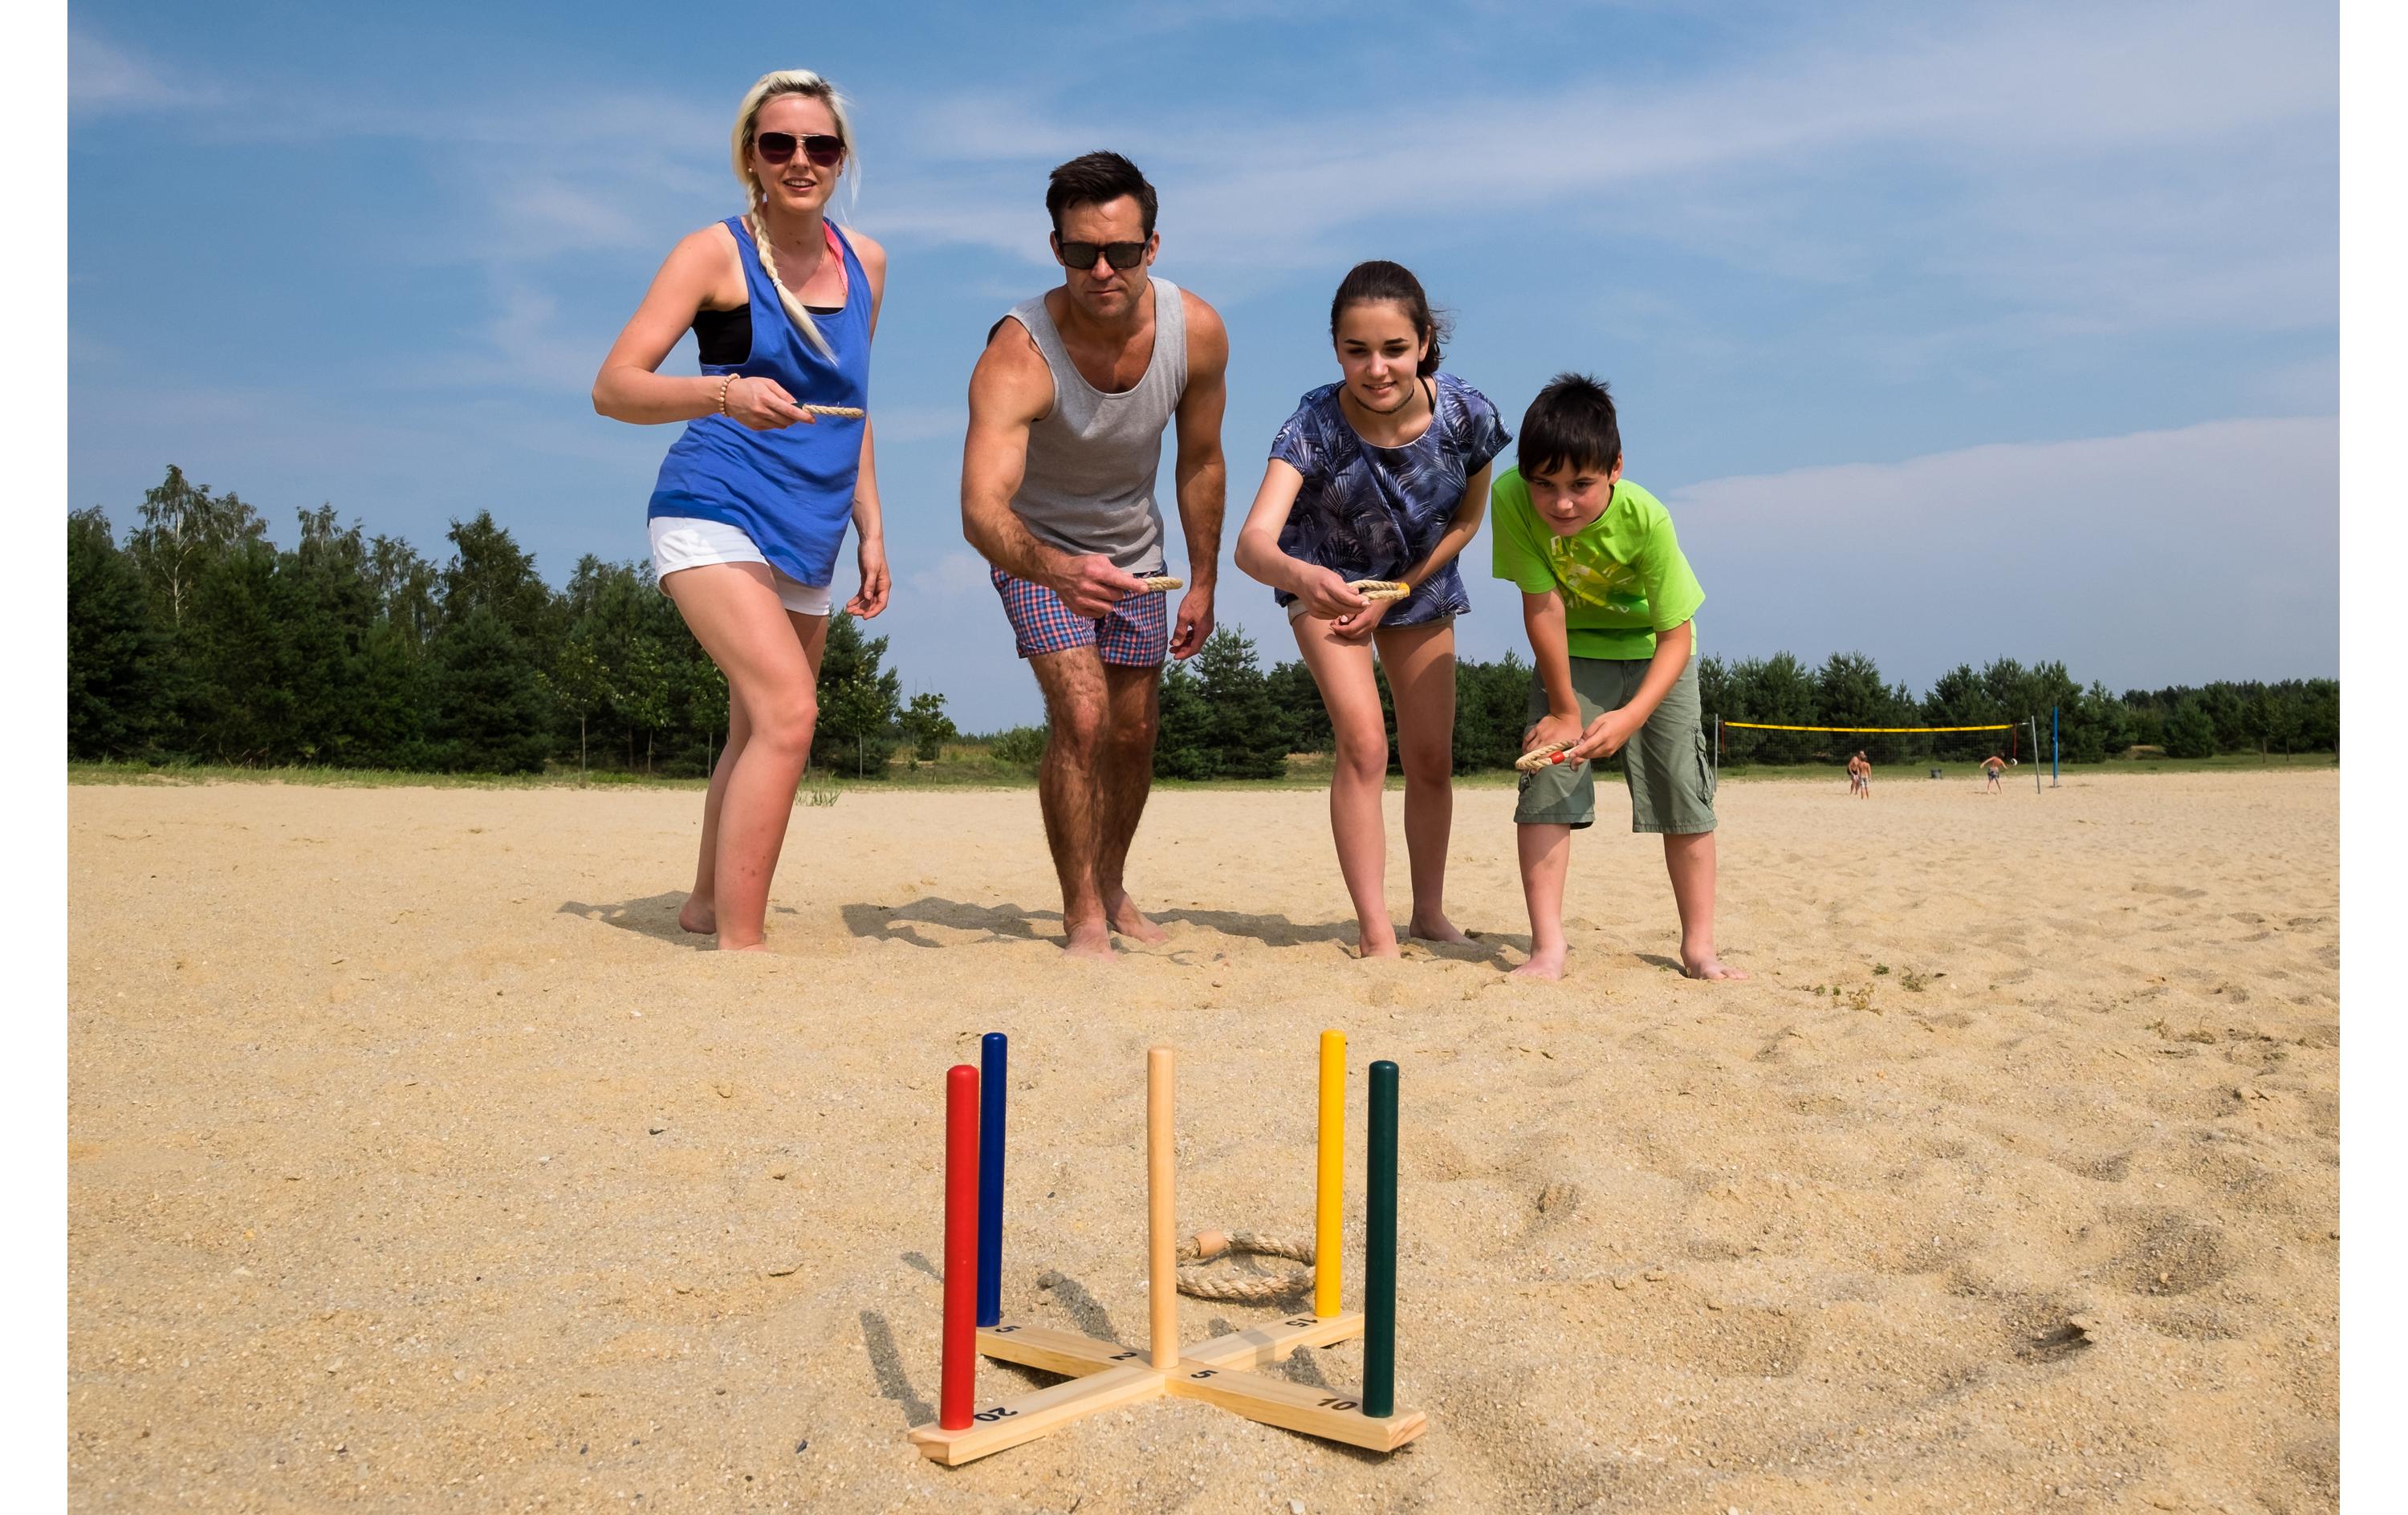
(1543, 965)
(1129, 920)
(1093, 940)
(699, 916)
(1436, 928)
(1710, 966)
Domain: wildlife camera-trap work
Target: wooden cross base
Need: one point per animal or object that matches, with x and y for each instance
(1107, 1376)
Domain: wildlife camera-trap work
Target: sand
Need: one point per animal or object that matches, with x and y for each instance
(418, 1162)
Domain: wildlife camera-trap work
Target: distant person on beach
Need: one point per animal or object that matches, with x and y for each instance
(1610, 605)
(755, 497)
(1381, 476)
(1860, 777)
(1993, 765)
(1067, 406)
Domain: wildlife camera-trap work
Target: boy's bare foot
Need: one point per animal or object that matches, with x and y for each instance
(699, 916)
(1093, 941)
(1436, 928)
(1709, 967)
(1129, 920)
(1546, 965)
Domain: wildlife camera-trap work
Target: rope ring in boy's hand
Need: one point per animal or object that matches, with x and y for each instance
(1542, 757)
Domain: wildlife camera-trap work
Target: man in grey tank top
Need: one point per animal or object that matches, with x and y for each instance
(1067, 406)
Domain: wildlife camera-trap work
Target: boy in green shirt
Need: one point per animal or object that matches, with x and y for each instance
(1609, 601)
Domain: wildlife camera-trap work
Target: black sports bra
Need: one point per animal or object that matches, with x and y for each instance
(724, 337)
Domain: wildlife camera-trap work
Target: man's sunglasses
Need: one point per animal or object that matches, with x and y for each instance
(1084, 254)
(778, 147)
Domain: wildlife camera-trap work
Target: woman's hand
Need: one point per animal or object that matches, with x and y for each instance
(875, 585)
(1325, 595)
(763, 404)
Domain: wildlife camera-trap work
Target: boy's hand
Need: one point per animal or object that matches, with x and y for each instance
(1604, 736)
(1550, 730)
(1325, 595)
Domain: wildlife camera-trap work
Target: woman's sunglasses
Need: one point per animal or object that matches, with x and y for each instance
(1084, 254)
(778, 147)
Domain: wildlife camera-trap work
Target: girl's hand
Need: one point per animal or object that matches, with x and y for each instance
(875, 584)
(1325, 595)
(1360, 626)
(763, 404)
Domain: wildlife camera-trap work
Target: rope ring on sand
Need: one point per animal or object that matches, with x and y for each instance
(1197, 1283)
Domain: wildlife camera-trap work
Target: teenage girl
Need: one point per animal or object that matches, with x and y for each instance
(1382, 476)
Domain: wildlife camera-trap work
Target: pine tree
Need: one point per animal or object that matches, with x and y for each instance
(117, 659)
(860, 703)
(490, 707)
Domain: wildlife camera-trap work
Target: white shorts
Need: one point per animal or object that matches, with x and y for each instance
(686, 542)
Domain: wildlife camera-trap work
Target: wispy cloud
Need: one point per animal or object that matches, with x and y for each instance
(2207, 551)
(105, 77)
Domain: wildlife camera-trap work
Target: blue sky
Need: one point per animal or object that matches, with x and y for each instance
(1945, 333)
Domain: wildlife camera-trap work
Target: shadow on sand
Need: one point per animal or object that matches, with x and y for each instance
(1014, 922)
(654, 916)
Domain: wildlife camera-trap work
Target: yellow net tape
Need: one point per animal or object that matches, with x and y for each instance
(1757, 725)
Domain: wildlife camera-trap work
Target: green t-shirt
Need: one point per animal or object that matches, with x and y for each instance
(1622, 578)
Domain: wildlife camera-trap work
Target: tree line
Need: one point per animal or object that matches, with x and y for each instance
(195, 638)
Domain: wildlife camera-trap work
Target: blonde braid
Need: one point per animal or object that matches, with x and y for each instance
(801, 317)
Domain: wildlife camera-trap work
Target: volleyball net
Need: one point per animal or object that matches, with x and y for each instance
(1796, 744)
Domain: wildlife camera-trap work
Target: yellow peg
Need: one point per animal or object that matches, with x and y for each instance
(1329, 1193)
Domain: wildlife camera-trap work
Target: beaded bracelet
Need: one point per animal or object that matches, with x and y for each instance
(724, 382)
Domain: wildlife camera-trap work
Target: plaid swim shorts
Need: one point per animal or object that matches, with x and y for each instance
(1136, 635)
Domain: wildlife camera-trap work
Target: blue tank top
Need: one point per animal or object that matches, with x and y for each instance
(790, 490)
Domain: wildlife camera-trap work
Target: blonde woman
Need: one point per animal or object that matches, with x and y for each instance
(753, 498)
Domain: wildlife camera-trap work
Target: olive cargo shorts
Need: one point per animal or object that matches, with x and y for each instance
(1665, 766)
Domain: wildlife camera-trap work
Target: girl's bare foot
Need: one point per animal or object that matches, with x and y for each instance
(1547, 964)
(1436, 928)
(1709, 967)
(1129, 920)
(699, 916)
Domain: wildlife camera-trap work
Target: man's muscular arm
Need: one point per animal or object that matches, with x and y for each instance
(1009, 390)
(1202, 473)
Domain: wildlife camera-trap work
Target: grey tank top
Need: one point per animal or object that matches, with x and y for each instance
(1092, 458)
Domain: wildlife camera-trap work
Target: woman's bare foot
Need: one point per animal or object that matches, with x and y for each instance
(699, 916)
(1093, 940)
(1376, 942)
(1543, 965)
(1436, 928)
(1710, 966)
(747, 947)
(1129, 920)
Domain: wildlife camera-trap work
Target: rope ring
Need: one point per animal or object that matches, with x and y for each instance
(1197, 1283)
